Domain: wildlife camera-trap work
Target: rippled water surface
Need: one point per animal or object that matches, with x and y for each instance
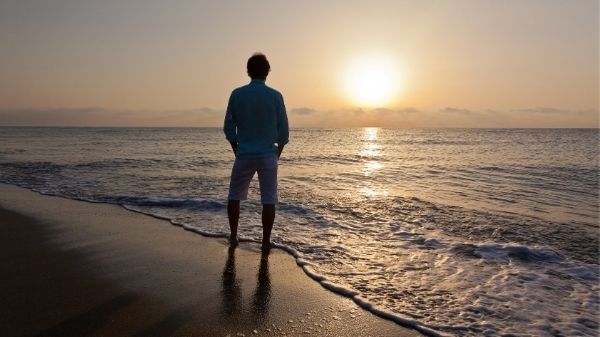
(463, 232)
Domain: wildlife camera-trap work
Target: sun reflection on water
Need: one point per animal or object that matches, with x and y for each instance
(370, 153)
(370, 134)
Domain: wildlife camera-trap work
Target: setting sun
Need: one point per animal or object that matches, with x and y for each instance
(371, 81)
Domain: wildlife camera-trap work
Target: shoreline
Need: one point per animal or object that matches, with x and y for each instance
(80, 268)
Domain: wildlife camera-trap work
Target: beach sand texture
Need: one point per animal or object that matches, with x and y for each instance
(72, 268)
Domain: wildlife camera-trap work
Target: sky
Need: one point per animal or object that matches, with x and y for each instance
(461, 63)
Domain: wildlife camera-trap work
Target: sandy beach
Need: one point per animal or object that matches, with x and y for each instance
(72, 268)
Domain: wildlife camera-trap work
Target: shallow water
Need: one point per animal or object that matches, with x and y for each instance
(463, 232)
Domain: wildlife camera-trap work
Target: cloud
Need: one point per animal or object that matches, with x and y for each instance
(92, 116)
(459, 117)
(457, 110)
(407, 110)
(450, 116)
(543, 110)
(396, 111)
(51, 117)
(303, 111)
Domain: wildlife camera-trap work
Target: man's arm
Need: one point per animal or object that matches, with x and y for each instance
(230, 126)
(283, 132)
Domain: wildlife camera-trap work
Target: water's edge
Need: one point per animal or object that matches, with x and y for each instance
(399, 319)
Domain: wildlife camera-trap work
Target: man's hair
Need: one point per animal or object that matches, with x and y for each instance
(258, 66)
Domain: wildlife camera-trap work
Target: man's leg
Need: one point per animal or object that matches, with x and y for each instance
(233, 212)
(241, 174)
(268, 217)
(267, 178)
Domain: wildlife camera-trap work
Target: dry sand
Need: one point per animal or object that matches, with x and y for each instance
(72, 268)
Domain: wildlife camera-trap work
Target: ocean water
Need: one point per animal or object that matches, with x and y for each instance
(459, 232)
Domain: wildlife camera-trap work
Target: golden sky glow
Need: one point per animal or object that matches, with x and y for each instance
(338, 63)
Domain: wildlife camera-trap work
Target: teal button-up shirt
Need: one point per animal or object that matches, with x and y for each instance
(256, 120)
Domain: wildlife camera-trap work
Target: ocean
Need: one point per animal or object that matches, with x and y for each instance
(459, 232)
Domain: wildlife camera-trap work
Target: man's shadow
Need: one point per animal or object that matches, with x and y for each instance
(232, 291)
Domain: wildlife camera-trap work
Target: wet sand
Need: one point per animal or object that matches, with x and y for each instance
(72, 268)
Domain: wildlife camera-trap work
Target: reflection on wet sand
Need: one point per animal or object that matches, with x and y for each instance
(232, 289)
(262, 293)
(231, 286)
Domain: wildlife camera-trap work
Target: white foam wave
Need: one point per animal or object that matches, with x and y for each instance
(193, 203)
(494, 252)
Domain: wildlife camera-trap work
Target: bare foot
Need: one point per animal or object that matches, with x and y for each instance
(266, 246)
(233, 241)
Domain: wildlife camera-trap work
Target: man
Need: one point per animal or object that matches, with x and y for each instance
(256, 126)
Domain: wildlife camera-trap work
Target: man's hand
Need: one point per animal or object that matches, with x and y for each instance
(279, 149)
(234, 147)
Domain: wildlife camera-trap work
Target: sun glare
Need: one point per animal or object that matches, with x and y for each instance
(371, 81)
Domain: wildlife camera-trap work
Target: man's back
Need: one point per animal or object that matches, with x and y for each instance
(256, 120)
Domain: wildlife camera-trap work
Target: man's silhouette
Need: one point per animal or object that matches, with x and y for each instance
(256, 125)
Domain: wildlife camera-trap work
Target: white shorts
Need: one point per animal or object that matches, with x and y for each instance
(242, 172)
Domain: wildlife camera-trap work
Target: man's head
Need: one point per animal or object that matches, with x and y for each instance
(258, 67)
